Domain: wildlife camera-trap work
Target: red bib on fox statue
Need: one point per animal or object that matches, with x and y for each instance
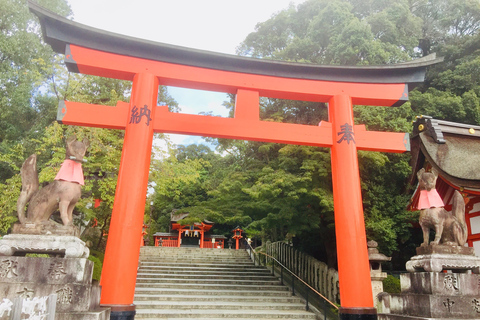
(429, 199)
(71, 171)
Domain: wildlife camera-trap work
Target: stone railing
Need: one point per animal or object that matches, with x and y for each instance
(314, 272)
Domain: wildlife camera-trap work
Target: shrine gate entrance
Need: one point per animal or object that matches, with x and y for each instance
(148, 65)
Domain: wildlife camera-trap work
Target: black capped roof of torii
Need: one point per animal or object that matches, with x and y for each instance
(58, 32)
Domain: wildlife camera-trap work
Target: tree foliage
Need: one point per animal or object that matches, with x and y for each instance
(284, 192)
(32, 82)
(273, 191)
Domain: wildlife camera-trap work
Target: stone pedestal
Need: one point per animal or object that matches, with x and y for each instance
(440, 285)
(66, 246)
(48, 227)
(68, 275)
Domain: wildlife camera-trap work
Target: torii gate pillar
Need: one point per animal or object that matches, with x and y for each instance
(129, 205)
(352, 257)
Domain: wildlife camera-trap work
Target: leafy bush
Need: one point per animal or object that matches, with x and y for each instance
(97, 267)
(391, 284)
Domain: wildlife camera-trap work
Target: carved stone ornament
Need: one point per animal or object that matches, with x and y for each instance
(8, 268)
(451, 282)
(476, 305)
(65, 295)
(57, 270)
(71, 247)
(448, 304)
(25, 293)
(439, 262)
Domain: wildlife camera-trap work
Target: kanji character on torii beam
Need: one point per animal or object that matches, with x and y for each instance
(149, 64)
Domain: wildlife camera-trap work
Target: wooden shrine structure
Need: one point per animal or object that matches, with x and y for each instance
(180, 234)
(150, 64)
(453, 150)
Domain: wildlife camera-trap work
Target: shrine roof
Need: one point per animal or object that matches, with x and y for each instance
(453, 149)
(60, 32)
(216, 236)
(166, 234)
(175, 234)
(175, 217)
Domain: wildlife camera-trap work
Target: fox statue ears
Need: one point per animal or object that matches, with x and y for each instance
(422, 171)
(71, 139)
(419, 174)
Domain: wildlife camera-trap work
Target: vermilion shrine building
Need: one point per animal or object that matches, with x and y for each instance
(194, 235)
(149, 64)
(453, 150)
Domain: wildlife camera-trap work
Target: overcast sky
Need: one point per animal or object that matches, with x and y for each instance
(213, 25)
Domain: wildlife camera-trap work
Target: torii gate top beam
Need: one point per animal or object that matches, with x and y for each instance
(301, 81)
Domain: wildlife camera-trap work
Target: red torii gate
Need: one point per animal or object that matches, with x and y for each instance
(148, 64)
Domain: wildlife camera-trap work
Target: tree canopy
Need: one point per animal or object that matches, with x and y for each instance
(273, 191)
(32, 82)
(282, 192)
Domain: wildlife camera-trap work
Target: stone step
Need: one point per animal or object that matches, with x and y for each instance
(192, 283)
(223, 314)
(197, 253)
(218, 296)
(200, 271)
(208, 318)
(208, 266)
(239, 287)
(194, 276)
(212, 280)
(211, 292)
(197, 263)
(194, 256)
(216, 305)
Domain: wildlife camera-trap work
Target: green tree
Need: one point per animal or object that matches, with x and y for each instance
(366, 33)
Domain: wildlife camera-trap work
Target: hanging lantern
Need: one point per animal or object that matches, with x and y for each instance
(186, 233)
(196, 233)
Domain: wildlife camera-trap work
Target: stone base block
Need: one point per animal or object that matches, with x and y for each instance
(45, 270)
(445, 249)
(49, 227)
(20, 244)
(30, 281)
(453, 284)
(99, 314)
(431, 306)
(70, 297)
(437, 262)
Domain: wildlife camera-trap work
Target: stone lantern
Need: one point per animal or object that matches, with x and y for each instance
(376, 258)
(237, 235)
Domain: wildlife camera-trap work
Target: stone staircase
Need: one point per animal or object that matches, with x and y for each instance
(193, 283)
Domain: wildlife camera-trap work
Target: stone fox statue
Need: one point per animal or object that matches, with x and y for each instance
(450, 227)
(63, 193)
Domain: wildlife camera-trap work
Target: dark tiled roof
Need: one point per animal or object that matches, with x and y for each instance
(453, 149)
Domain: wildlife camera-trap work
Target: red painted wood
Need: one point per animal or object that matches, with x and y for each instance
(119, 267)
(116, 66)
(83, 114)
(355, 285)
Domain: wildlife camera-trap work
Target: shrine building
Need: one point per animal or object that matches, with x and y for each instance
(453, 150)
(196, 235)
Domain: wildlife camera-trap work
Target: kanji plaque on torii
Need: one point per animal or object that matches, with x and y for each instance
(148, 65)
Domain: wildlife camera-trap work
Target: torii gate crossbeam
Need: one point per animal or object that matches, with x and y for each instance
(148, 64)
